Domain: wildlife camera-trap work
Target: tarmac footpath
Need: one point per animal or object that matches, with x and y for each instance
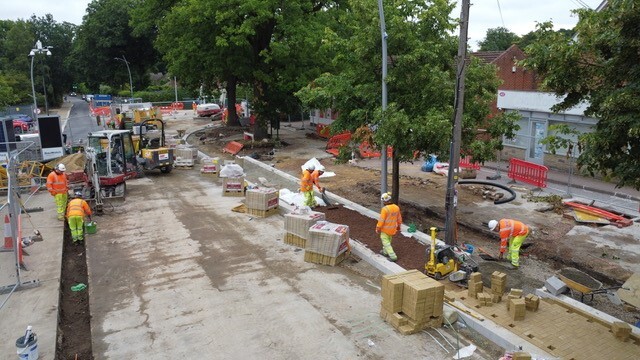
(36, 303)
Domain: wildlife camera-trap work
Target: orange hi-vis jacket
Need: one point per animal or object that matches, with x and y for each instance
(315, 178)
(57, 184)
(78, 207)
(390, 220)
(306, 182)
(508, 229)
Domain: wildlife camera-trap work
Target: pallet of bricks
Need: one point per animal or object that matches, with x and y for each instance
(297, 224)
(328, 243)
(185, 156)
(262, 201)
(412, 301)
(210, 166)
(233, 186)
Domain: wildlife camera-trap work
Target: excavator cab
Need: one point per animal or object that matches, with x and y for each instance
(111, 160)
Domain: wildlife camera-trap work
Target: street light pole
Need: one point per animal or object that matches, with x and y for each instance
(38, 49)
(454, 160)
(129, 71)
(383, 153)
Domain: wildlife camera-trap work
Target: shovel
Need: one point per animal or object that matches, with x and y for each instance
(326, 200)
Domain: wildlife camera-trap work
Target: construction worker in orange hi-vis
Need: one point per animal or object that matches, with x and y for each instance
(57, 185)
(388, 225)
(512, 233)
(76, 211)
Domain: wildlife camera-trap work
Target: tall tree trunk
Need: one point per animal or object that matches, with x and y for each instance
(232, 116)
(395, 178)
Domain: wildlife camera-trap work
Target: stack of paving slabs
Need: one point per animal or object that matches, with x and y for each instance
(475, 285)
(328, 243)
(210, 166)
(262, 201)
(185, 156)
(411, 301)
(233, 186)
(532, 302)
(498, 284)
(297, 224)
(621, 330)
(520, 355)
(516, 305)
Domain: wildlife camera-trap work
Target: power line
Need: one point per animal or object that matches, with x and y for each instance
(500, 11)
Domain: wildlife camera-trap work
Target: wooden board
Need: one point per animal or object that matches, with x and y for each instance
(631, 296)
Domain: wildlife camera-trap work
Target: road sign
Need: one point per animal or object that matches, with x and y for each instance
(36, 111)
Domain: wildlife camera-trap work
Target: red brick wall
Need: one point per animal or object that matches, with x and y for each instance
(520, 79)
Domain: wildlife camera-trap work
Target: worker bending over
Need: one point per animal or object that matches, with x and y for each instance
(76, 212)
(307, 181)
(512, 234)
(388, 225)
(57, 185)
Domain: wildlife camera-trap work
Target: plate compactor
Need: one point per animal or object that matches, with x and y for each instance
(448, 260)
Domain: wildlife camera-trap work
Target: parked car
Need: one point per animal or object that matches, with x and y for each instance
(72, 94)
(22, 117)
(204, 110)
(20, 127)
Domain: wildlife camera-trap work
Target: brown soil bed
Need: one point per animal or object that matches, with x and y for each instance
(74, 318)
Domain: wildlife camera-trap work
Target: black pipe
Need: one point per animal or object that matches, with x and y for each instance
(489, 183)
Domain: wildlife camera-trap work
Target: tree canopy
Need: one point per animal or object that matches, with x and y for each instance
(498, 39)
(421, 82)
(599, 66)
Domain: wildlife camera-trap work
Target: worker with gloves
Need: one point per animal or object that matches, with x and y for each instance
(388, 225)
(76, 212)
(307, 181)
(57, 185)
(512, 234)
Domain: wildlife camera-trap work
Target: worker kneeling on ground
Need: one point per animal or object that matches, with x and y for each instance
(307, 181)
(76, 212)
(388, 225)
(513, 233)
(58, 188)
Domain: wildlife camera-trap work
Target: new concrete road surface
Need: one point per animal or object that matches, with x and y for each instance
(175, 274)
(33, 305)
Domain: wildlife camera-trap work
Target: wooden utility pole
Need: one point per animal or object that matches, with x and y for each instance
(456, 138)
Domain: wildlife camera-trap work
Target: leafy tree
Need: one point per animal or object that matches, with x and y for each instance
(600, 66)
(498, 39)
(106, 35)
(421, 82)
(230, 42)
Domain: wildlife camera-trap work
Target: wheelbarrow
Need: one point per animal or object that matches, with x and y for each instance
(584, 284)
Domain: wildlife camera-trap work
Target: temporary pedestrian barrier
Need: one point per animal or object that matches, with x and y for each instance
(337, 141)
(233, 147)
(528, 172)
(323, 131)
(466, 163)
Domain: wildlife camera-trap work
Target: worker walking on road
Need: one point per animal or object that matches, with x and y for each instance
(307, 181)
(77, 210)
(388, 225)
(512, 235)
(58, 187)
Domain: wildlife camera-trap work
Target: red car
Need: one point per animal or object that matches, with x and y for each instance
(20, 127)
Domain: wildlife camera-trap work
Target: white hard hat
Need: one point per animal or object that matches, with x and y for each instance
(61, 167)
(386, 197)
(492, 224)
(77, 194)
(311, 167)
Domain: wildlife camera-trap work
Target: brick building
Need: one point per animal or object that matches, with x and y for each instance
(513, 77)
